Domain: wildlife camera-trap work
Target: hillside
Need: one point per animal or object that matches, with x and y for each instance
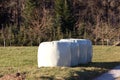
(29, 22)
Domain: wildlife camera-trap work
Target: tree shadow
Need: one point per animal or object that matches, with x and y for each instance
(95, 70)
(98, 69)
(46, 78)
(106, 65)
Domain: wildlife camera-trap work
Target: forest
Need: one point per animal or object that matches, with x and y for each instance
(29, 22)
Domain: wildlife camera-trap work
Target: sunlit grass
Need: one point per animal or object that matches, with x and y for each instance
(24, 59)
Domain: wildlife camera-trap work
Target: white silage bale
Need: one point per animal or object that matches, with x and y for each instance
(47, 55)
(51, 54)
(82, 50)
(89, 51)
(66, 52)
(74, 51)
(63, 49)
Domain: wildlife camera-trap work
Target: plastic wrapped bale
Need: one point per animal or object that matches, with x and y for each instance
(46, 55)
(74, 51)
(89, 50)
(51, 54)
(82, 53)
(63, 49)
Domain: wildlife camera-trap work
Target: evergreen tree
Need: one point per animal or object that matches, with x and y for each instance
(28, 12)
(64, 17)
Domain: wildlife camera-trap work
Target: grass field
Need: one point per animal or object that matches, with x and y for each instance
(24, 59)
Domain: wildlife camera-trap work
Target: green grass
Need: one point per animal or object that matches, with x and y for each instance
(24, 59)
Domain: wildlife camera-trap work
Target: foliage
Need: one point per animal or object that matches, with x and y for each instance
(29, 22)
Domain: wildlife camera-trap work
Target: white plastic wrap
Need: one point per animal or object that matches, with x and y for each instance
(51, 54)
(83, 47)
(63, 49)
(82, 51)
(89, 51)
(46, 55)
(66, 52)
(74, 51)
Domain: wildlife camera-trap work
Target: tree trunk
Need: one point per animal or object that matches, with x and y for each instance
(4, 42)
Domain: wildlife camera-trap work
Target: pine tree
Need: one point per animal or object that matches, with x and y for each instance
(64, 17)
(28, 12)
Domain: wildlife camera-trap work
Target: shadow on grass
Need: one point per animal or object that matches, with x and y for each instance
(46, 78)
(106, 65)
(96, 69)
(86, 71)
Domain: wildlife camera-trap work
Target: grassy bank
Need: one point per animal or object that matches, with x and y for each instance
(24, 59)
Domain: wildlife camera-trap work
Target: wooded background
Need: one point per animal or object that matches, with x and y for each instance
(29, 22)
